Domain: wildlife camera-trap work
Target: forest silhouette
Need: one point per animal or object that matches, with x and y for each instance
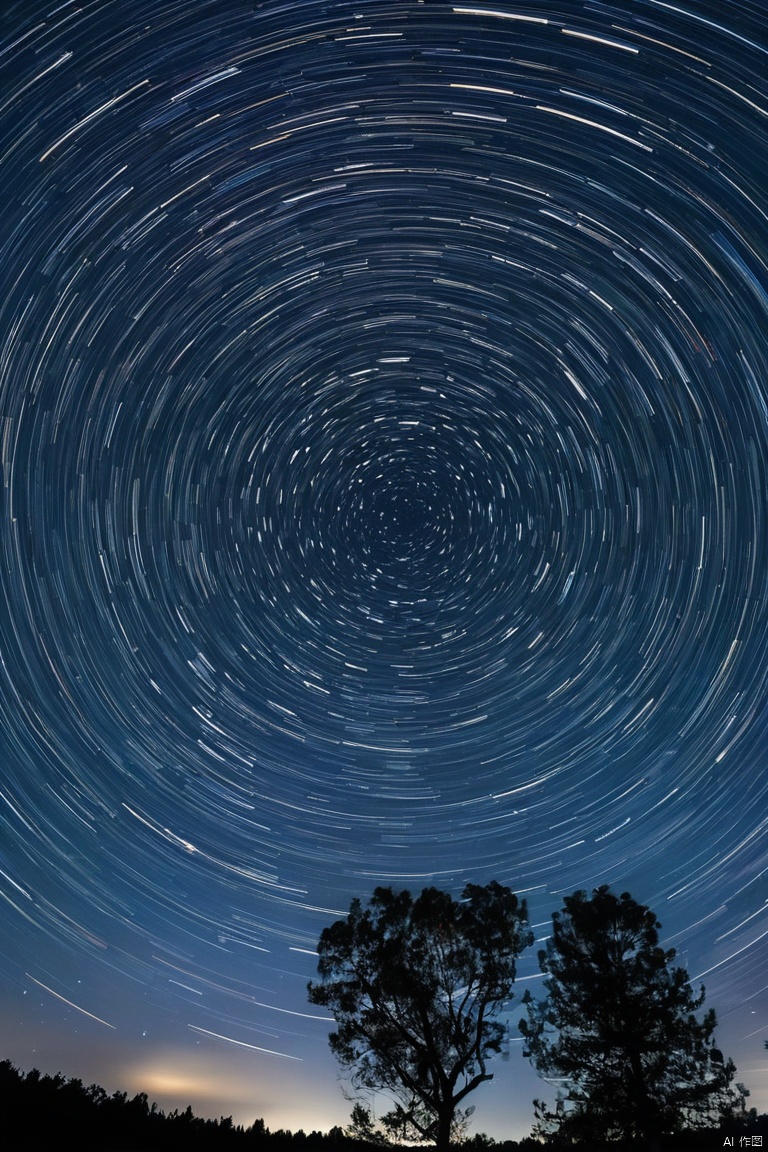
(40, 1111)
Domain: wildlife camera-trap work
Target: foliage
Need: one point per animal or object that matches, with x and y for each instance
(363, 1127)
(619, 1027)
(416, 986)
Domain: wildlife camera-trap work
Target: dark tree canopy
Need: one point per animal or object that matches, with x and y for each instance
(619, 1027)
(416, 987)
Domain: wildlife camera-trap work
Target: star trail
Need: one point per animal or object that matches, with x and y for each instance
(384, 444)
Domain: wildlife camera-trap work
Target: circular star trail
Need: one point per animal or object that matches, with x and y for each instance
(384, 453)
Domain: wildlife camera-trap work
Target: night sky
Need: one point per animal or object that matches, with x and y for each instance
(384, 444)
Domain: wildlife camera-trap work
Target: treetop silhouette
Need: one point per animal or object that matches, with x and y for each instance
(416, 987)
(620, 1028)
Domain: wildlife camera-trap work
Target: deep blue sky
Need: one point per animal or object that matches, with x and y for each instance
(384, 439)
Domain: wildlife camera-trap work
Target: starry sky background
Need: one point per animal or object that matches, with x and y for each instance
(384, 439)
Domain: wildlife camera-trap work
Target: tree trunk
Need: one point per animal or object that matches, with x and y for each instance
(646, 1118)
(444, 1122)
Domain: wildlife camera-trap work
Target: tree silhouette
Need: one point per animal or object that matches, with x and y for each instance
(415, 986)
(619, 1027)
